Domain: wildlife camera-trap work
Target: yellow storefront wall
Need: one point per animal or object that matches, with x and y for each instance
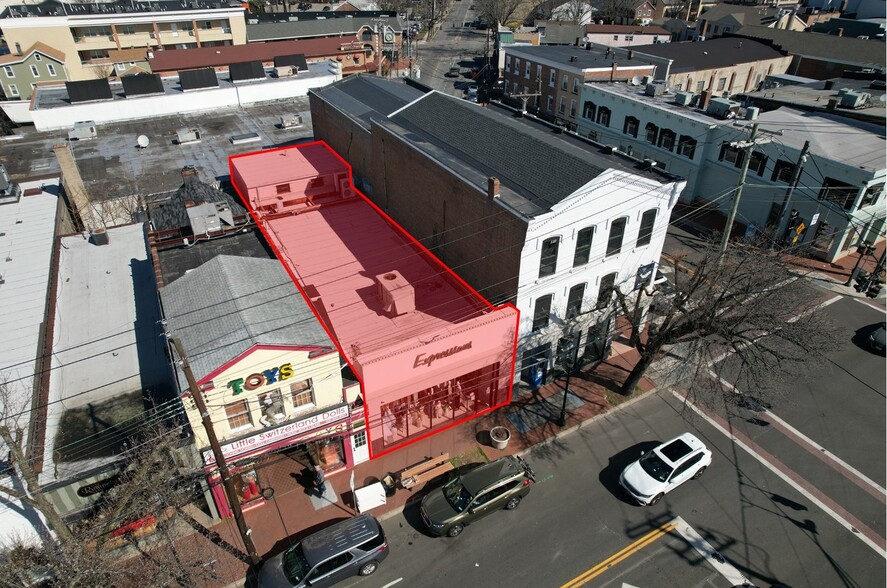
(287, 368)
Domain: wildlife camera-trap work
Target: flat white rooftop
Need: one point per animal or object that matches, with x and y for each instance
(106, 348)
(27, 229)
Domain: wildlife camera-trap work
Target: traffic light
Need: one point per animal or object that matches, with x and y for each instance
(874, 288)
(862, 281)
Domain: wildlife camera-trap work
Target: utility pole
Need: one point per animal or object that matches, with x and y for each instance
(793, 183)
(738, 193)
(224, 471)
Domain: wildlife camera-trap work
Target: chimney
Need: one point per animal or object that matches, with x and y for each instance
(573, 59)
(630, 54)
(189, 174)
(704, 99)
(493, 187)
(840, 32)
(832, 103)
(829, 84)
(613, 71)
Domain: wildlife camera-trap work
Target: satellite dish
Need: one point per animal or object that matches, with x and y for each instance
(636, 81)
(882, 98)
(143, 141)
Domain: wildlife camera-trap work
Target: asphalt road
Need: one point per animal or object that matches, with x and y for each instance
(451, 46)
(794, 496)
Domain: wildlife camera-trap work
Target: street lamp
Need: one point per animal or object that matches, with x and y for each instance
(567, 347)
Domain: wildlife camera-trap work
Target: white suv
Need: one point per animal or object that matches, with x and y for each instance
(664, 468)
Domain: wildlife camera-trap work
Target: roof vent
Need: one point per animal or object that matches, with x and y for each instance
(396, 294)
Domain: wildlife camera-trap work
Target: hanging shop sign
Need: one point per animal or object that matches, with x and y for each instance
(271, 436)
(259, 379)
(427, 359)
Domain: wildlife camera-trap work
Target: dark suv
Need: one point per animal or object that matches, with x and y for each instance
(348, 548)
(500, 484)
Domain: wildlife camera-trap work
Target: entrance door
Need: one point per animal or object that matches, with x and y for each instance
(360, 450)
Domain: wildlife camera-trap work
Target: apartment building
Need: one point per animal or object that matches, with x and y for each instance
(91, 36)
(839, 196)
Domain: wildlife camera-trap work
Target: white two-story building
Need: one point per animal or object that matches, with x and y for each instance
(838, 197)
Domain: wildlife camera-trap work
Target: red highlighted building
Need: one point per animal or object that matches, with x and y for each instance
(429, 351)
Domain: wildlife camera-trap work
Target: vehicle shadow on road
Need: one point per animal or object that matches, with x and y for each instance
(609, 476)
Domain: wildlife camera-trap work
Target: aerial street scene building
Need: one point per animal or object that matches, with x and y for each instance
(338, 293)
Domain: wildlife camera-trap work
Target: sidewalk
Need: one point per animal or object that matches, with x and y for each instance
(705, 221)
(530, 417)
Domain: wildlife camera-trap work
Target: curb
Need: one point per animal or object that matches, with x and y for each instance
(564, 433)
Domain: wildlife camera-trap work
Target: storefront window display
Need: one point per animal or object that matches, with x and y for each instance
(440, 404)
(246, 484)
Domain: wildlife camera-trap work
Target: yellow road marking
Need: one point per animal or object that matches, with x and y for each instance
(620, 555)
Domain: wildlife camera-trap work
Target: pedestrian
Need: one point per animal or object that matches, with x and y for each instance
(319, 480)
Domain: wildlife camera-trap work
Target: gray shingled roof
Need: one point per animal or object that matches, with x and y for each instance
(848, 50)
(170, 212)
(749, 15)
(303, 29)
(364, 97)
(710, 54)
(530, 163)
(230, 304)
(558, 33)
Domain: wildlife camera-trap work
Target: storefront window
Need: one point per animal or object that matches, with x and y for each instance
(247, 486)
(432, 407)
(303, 394)
(238, 415)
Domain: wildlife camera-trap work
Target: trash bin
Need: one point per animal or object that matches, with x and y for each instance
(499, 436)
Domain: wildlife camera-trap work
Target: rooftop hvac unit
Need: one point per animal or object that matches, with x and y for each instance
(722, 108)
(208, 217)
(395, 293)
(647, 80)
(655, 89)
(187, 136)
(289, 121)
(752, 112)
(82, 130)
(854, 99)
(683, 98)
(284, 71)
(843, 91)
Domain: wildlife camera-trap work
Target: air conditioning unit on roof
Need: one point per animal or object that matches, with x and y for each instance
(396, 293)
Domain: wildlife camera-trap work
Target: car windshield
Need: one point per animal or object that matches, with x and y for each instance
(457, 495)
(295, 566)
(655, 467)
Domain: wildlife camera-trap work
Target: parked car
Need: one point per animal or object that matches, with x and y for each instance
(453, 72)
(877, 338)
(664, 468)
(348, 548)
(469, 496)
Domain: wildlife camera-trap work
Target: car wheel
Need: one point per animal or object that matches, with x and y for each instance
(699, 472)
(656, 499)
(512, 503)
(368, 568)
(455, 530)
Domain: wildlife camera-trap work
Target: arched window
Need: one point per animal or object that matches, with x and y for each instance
(574, 301)
(645, 233)
(605, 291)
(542, 312)
(589, 110)
(652, 132)
(603, 116)
(687, 146)
(548, 263)
(630, 126)
(617, 232)
(667, 139)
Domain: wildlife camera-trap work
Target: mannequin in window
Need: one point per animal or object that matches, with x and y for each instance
(272, 412)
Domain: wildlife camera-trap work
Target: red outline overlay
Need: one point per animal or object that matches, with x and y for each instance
(413, 241)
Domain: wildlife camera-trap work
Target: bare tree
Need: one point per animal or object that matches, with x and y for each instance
(611, 11)
(103, 71)
(745, 303)
(129, 533)
(503, 11)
